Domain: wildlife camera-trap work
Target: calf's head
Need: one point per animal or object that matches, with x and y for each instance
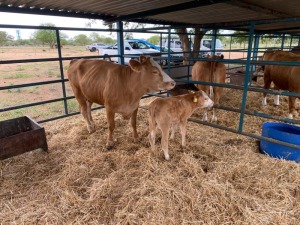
(153, 77)
(202, 100)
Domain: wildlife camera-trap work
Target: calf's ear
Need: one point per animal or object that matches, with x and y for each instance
(135, 65)
(143, 58)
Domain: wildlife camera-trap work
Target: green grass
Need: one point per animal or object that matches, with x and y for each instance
(18, 76)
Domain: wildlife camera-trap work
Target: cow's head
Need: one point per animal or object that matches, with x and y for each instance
(154, 78)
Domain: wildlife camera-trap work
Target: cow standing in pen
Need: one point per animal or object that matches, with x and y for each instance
(168, 113)
(284, 77)
(119, 88)
(210, 71)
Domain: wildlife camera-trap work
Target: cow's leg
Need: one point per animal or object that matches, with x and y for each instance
(173, 130)
(217, 94)
(209, 91)
(152, 131)
(292, 107)
(89, 115)
(111, 126)
(267, 84)
(133, 124)
(165, 140)
(84, 109)
(183, 133)
(276, 97)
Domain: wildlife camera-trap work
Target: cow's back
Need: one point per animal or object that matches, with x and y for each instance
(93, 78)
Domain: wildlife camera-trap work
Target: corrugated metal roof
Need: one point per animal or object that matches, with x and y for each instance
(204, 13)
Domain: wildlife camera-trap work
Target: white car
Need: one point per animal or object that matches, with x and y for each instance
(131, 47)
(95, 46)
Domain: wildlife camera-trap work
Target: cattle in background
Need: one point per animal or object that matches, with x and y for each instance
(167, 113)
(181, 89)
(210, 71)
(283, 77)
(119, 88)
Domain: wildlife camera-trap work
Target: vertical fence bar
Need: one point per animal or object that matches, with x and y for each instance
(282, 41)
(120, 41)
(255, 51)
(62, 77)
(213, 41)
(169, 56)
(246, 80)
(230, 43)
(291, 42)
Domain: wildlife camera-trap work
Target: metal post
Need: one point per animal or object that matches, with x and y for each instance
(291, 42)
(255, 50)
(246, 79)
(282, 41)
(229, 49)
(120, 41)
(213, 41)
(169, 56)
(62, 77)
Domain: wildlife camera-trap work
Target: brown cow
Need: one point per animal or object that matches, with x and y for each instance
(214, 72)
(119, 88)
(167, 113)
(284, 77)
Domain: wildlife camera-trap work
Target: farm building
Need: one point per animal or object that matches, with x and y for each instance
(220, 177)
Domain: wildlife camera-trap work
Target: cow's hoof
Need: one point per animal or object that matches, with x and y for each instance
(91, 129)
(110, 145)
(290, 116)
(167, 157)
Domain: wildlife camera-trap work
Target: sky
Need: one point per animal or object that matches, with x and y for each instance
(36, 20)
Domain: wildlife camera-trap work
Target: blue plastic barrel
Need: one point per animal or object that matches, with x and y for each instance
(282, 132)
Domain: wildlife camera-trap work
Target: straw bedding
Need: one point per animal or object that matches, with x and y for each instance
(219, 178)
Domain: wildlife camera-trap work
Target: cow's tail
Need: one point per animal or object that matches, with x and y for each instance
(151, 118)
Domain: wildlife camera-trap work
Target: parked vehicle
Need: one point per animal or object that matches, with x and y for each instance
(205, 46)
(95, 46)
(175, 58)
(132, 47)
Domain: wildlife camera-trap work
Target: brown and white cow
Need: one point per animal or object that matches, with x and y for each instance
(119, 88)
(210, 71)
(167, 113)
(284, 77)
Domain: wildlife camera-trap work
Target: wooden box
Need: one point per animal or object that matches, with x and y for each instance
(21, 135)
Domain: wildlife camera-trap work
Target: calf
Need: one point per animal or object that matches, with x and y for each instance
(284, 77)
(167, 113)
(210, 71)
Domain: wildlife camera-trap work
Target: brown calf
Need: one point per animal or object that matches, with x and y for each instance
(214, 72)
(167, 113)
(119, 88)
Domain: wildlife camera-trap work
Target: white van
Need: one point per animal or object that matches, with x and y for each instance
(205, 46)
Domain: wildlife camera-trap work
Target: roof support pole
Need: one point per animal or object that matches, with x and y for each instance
(246, 79)
(120, 41)
(255, 50)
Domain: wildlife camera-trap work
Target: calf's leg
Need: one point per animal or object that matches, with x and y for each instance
(173, 130)
(267, 84)
(152, 131)
(133, 124)
(89, 114)
(165, 140)
(183, 133)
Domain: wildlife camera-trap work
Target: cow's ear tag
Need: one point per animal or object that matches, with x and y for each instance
(195, 99)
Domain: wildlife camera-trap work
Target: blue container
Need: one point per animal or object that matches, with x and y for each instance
(282, 132)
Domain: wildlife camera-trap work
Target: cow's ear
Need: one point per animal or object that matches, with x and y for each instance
(135, 65)
(143, 58)
(222, 56)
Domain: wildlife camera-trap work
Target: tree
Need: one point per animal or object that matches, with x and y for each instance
(3, 37)
(242, 37)
(183, 36)
(154, 39)
(46, 36)
(81, 39)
